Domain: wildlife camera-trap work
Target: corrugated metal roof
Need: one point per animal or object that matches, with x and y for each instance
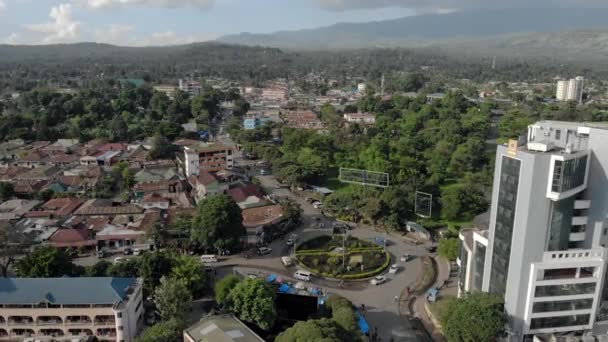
(64, 290)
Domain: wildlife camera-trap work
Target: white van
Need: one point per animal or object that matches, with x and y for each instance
(286, 261)
(302, 275)
(208, 258)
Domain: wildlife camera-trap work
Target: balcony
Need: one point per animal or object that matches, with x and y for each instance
(577, 236)
(579, 220)
(49, 320)
(78, 320)
(51, 332)
(2, 320)
(80, 332)
(104, 320)
(22, 332)
(3, 333)
(20, 320)
(107, 332)
(582, 204)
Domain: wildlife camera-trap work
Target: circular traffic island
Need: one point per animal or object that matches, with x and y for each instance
(350, 259)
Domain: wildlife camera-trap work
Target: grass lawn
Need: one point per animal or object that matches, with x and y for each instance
(440, 307)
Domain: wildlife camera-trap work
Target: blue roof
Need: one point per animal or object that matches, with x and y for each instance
(64, 290)
(285, 288)
(363, 326)
(271, 278)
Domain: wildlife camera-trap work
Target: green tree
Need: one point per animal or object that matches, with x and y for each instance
(127, 268)
(475, 317)
(318, 330)
(153, 266)
(99, 269)
(514, 124)
(449, 248)
(223, 288)
(12, 244)
(162, 148)
(218, 222)
(292, 212)
(172, 298)
(253, 301)
(119, 131)
(462, 202)
(168, 331)
(7, 191)
(189, 271)
(45, 262)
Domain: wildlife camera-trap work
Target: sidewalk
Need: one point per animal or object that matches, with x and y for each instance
(417, 305)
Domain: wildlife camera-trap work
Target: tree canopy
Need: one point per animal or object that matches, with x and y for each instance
(171, 298)
(46, 262)
(475, 317)
(253, 301)
(218, 223)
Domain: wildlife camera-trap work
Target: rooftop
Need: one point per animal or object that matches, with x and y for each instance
(221, 328)
(64, 291)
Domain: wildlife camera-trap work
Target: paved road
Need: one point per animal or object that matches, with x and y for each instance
(382, 308)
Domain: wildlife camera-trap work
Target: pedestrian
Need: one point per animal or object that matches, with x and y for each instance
(396, 298)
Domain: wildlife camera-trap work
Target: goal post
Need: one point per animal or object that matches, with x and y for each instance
(364, 177)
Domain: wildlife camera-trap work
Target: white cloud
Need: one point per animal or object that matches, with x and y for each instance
(12, 39)
(172, 38)
(2, 6)
(99, 4)
(442, 5)
(115, 34)
(63, 28)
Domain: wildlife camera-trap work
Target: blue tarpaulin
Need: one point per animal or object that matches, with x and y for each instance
(284, 288)
(363, 326)
(271, 278)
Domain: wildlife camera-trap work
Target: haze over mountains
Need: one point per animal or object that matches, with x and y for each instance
(529, 30)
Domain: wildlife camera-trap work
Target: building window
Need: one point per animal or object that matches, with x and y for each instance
(505, 218)
(568, 174)
(563, 305)
(120, 328)
(562, 321)
(558, 134)
(480, 259)
(564, 290)
(119, 315)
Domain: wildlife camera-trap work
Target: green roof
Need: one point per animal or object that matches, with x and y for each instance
(64, 290)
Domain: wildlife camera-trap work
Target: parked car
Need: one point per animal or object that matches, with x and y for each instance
(127, 251)
(118, 259)
(264, 250)
(290, 242)
(318, 205)
(264, 172)
(137, 251)
(102, 254)
(394, 268)
(378, 280)
(406, 257)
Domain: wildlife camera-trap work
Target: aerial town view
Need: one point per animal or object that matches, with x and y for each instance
(303, 170)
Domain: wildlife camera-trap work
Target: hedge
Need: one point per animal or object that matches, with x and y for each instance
(368, 274)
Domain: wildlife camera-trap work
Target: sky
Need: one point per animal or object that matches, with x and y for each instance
(170, 22)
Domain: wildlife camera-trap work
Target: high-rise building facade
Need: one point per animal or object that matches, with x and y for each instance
(544, 249)
(570, 90)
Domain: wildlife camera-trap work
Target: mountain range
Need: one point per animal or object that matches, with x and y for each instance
(572, 31)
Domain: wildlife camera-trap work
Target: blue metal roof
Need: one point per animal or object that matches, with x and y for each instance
(64, 290)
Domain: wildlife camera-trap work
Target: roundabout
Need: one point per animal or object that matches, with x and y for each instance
(341, 257)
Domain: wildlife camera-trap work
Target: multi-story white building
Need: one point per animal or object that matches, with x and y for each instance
(544, 249)
(59, 309)
(190, 86)
(570, 90)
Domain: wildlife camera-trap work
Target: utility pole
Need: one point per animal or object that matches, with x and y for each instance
(382, 86)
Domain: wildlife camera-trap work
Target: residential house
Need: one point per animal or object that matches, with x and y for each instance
(16, 208)
(255, 219)
(247, 196)
(99, 207)
(206, 185)
(360, 118)
(57, 208)
(154, 201)
(302, 120)
(32, 159)
(204, 156)
(73, 238)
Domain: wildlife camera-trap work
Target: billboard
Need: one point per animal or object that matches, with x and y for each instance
(364, 177)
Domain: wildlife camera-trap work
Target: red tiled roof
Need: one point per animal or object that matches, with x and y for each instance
(206, 178)
(261, 216)
(63, 158)
(152, 198)
(66, 235)
(63, 206)
(113, 147)
(34, 156)
(153, 186)
(242, 193)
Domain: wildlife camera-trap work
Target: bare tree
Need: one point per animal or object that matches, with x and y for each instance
(12, 244)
